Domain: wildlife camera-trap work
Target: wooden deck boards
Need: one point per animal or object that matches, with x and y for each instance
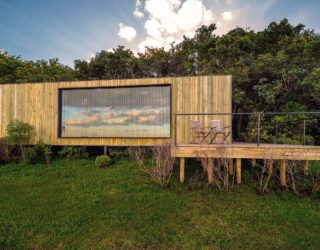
(247, 151)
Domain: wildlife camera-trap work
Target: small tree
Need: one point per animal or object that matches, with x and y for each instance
(19, 133)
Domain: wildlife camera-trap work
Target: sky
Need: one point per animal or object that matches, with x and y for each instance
(77, 29)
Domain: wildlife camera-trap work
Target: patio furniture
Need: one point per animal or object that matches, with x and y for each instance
(199, 134)
(216, 128)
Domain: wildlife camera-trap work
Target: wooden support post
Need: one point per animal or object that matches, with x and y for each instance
(305, 167)
(182, 164)
(270, 167)
(283, 181)
(105, 150)
(210, 171)
(253, 163)
(238, 171)
(231, 169)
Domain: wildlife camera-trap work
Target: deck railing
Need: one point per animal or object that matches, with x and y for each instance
(260, 127)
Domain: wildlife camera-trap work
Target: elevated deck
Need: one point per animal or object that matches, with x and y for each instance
(247, 151)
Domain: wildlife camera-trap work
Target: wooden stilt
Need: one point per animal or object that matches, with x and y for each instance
(305, 167)
(105, 150)
(210, 171)
(182, 167)
(270, 167)
(283, 181)
(253, 163)
(238, 171)
(231, 169)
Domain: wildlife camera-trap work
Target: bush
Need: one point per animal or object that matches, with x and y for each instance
(19, 133)
(73, 153)
(118, 154)
(157, 162)
(29, 156)
(103, 161)
(40, 153)
(43, 152)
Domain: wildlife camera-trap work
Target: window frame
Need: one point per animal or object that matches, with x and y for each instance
(60, 90)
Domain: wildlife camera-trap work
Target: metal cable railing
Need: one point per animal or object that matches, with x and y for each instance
(253, 124)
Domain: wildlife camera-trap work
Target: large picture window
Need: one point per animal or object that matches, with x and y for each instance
(142, 111)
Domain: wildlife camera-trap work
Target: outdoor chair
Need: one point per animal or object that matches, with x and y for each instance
(199, 134)
(216, 128)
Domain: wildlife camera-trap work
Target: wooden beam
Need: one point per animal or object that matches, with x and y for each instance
(247, 151)
(210, 171)
(182, 169)
(305, 167)
(283, 167)
(231, 168)
(238, 171)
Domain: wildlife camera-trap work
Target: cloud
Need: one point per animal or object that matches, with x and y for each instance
(137, 11)
(168, 20)
(227, 15)
(126, 32)
(83, 121)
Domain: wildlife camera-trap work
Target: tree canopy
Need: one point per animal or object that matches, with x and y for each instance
(276, 69)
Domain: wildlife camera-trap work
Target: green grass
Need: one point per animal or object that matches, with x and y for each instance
(74, 205)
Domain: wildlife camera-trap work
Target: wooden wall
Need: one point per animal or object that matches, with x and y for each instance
(37, 104)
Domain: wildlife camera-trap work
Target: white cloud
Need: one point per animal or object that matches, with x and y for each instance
(168, 20)
(127, 32)
(137, 11)
(227, 15)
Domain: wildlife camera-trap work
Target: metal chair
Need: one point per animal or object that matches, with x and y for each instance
(216, 128)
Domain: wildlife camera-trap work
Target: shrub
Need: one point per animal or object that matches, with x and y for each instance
(29, 155)
(43, 152)
(73, 153)
(19, 133)
(103, 161)
(118, 154)
(157, 162)
(40, 153)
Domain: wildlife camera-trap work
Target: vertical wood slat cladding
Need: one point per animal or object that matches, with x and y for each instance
(37, 104)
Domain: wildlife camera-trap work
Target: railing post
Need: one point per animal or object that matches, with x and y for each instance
(258, 132)
(304, 132)
(175, 129)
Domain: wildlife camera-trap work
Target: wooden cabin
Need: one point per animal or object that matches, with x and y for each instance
(130, 112)
(139, 112)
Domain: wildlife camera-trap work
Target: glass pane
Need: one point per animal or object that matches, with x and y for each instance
(116, 112)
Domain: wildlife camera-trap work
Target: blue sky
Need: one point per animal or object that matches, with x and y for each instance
(76, 29)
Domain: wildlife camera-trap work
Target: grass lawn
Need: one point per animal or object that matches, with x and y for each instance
(74, 205)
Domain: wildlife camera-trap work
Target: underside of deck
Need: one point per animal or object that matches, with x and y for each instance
(247, 151)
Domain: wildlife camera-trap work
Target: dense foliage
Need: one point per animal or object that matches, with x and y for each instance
(102, 161)
(276, 69)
